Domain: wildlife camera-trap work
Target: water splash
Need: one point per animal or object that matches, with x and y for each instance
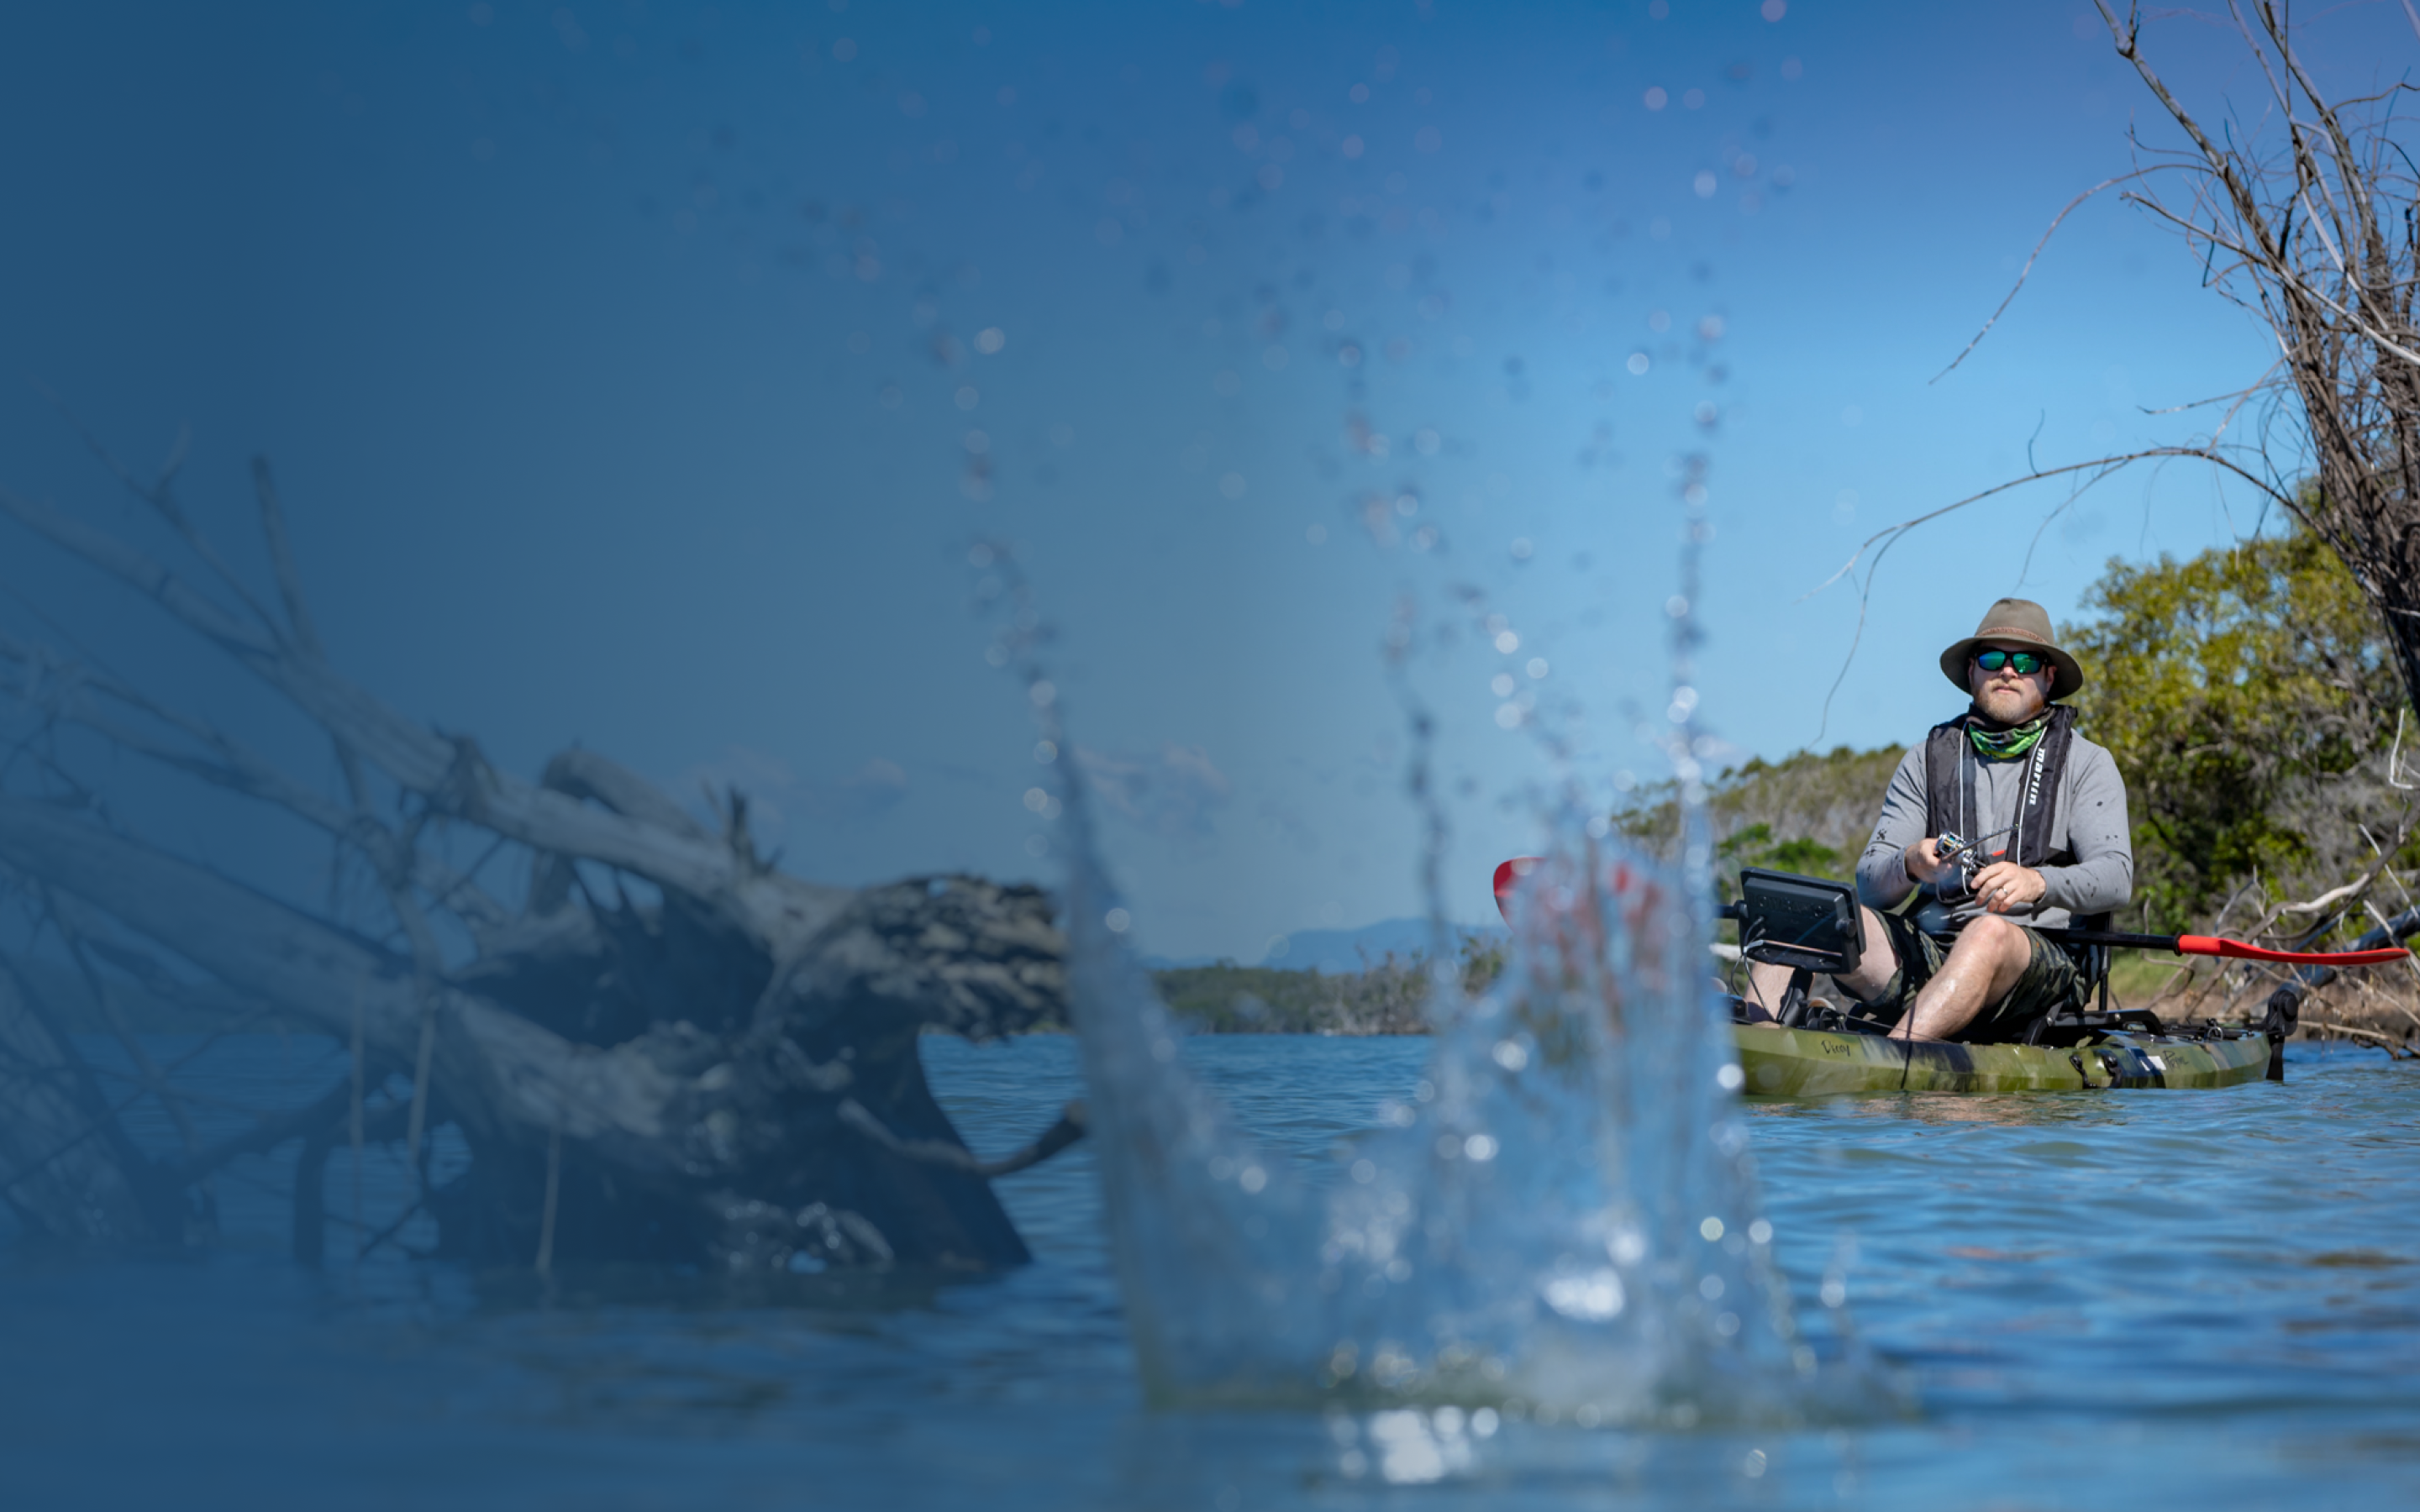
(1563, 1220)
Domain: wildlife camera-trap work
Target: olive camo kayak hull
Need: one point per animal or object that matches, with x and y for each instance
(1811, 1063)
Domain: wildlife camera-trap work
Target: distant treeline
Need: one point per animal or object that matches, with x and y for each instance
(1387, 996)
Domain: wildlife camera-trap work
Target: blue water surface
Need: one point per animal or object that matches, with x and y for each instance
(2204, 1299)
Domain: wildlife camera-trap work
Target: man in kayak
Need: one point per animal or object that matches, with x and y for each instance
(2045, 811)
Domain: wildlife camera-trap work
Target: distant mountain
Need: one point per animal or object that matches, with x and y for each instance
(1180, 963)
(1335, 951)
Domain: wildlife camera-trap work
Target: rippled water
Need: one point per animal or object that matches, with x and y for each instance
(2203, 1299)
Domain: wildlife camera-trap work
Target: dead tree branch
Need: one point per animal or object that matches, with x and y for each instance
(725, 1074)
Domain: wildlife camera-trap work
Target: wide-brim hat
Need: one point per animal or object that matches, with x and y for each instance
(2018, 622)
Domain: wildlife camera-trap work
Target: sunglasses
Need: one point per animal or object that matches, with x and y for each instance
(2024, 663)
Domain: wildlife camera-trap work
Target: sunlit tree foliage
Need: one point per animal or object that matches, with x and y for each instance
(2250, 697)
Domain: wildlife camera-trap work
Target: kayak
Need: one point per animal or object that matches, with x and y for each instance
(1809, 925)
(1776, 1062)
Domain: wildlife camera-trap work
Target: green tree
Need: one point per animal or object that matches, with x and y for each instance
(2249, 695)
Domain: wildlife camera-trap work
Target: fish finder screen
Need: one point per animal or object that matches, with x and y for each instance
(1799, 922)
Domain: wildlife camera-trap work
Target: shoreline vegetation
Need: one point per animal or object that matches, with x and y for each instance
(1388, 995)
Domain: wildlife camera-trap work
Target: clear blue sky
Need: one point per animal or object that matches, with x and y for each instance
(625, 367)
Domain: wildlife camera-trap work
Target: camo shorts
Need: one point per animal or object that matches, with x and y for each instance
(2052, 982)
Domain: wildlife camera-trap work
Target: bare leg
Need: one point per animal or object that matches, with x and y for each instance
(1982, 968)
(1875, 963)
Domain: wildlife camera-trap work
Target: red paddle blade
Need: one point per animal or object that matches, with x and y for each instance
(2237, 950)
(1509, 875)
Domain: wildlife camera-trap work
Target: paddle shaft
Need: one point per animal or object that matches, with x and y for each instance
(2114, 938)
(2210, 945)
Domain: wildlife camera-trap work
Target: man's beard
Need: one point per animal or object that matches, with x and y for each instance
(2007, 706)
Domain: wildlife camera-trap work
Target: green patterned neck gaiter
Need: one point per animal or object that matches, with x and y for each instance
(2008, 744)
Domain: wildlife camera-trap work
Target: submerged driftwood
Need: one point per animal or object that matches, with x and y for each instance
(725, 1073)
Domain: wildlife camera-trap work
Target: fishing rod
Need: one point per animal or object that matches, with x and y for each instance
(1968, 856)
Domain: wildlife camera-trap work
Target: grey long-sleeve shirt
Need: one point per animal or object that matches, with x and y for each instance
(2091, 865)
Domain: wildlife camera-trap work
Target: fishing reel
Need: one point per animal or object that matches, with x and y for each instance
(1967, 857)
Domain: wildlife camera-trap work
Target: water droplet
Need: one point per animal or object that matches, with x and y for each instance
(1711, 1229)
(1117, 920)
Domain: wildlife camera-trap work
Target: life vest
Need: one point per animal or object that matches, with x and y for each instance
(1949, 796)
